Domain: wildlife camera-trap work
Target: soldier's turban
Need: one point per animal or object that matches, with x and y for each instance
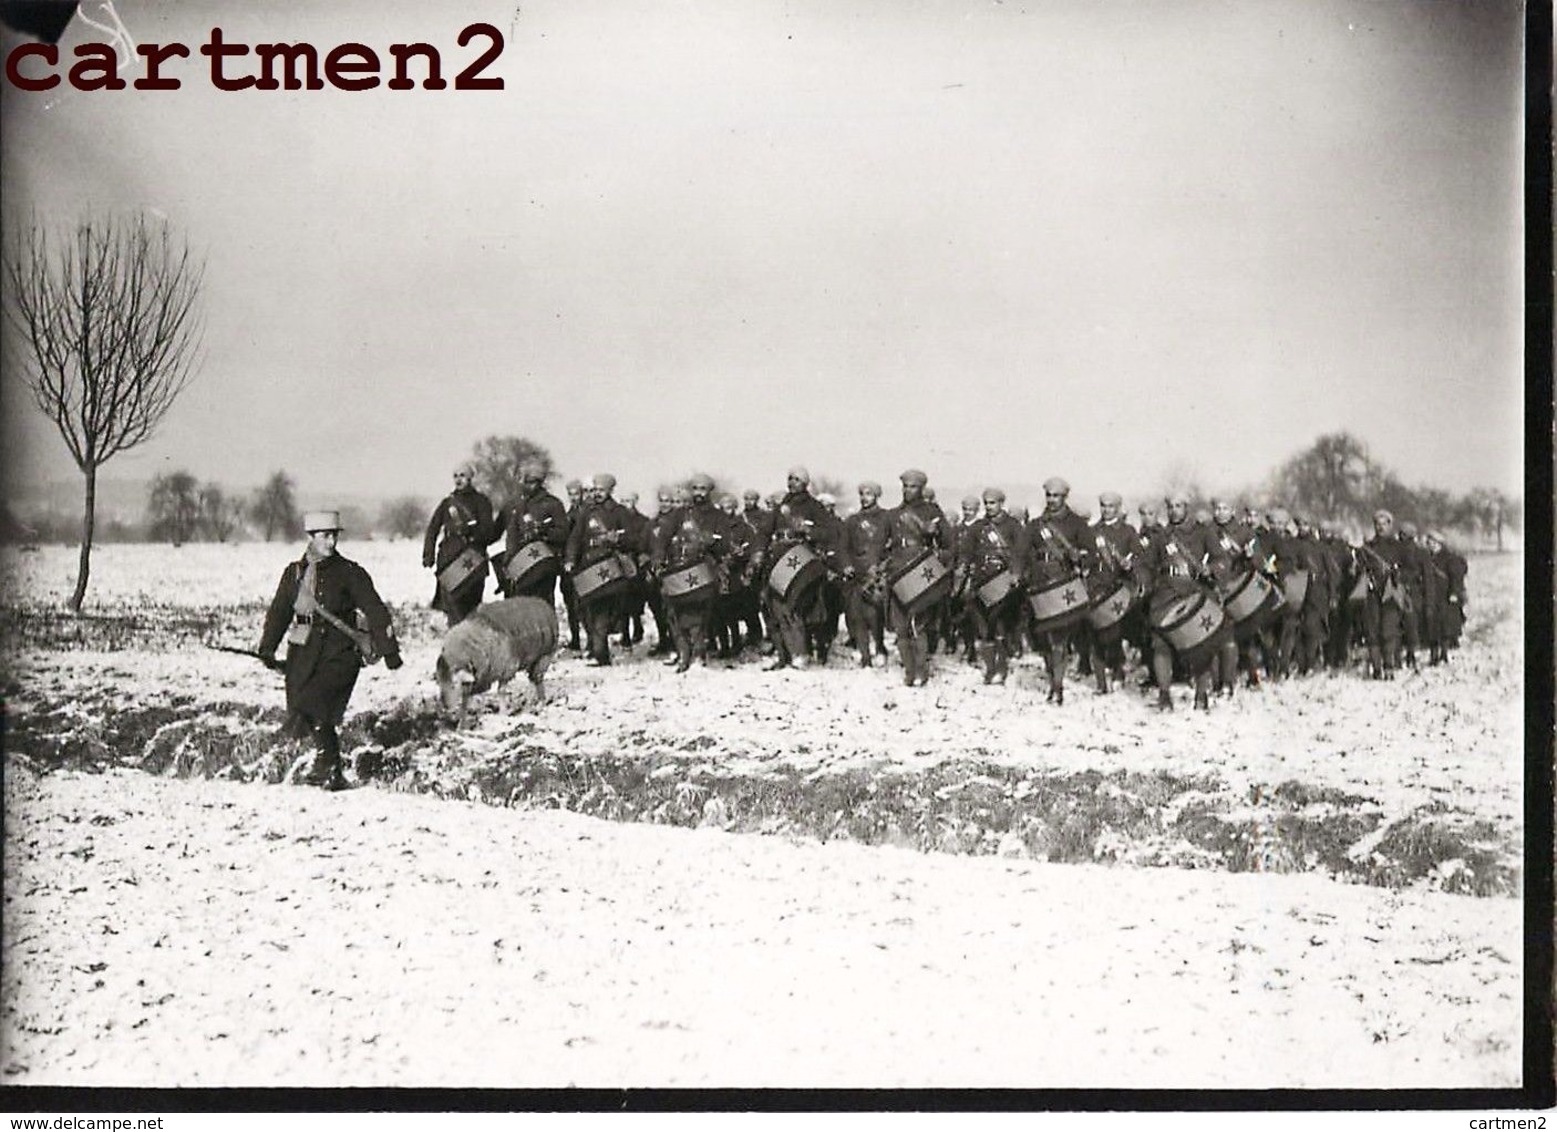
(574, 485)
(1054, 485)
(1279, 516)
(531, 471)
(1383, 516)
(994, 495)
(871, 486)
(1111, 499)
(971, 501)
(1437, 536)
(1177, 497)
(914, 476)
(701, 481)
(826, 499)
(799, 473)
(1329, 527)
(1408, 529)
(929, 493)
(751, 495)
(605, 481)
(465, 469)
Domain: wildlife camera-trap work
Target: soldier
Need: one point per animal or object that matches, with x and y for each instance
(794, 592)
(958, 620)
(1294, 576)
(601, 532)
(458, 534)
(1231, 551)
(1314, 618)
(535, 536)
(1343, 577)
(758, 518)
(664, 639)
(1137, 631)
(988, 576)
(820, 636)
(692, 536)
(751, 506)
(636, 595)
(736, 598)
(1111, 585)
(315, 607)
(1413, 578)
(1435, 598)
(863, 567)
(575, 493)
(917, 529)
(1053, 556)
(1178, 578)
(1059, 517)
(1383, 557)
(1454, 568)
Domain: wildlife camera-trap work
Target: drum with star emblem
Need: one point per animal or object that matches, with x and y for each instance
(923, 582)
(795, 571)
(528, 564)
(1249, 599)
(696, 582)
(1059, 603)
(1194, 624)
(1109, 609)
(605, 578)
(996, 589)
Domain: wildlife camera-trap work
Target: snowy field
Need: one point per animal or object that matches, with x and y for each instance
(1314, 885)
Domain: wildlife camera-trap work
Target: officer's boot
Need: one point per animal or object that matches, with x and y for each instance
(326, 769)
(1100, 669)
(987, 659)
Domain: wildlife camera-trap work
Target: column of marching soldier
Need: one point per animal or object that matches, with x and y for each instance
(1216, 598)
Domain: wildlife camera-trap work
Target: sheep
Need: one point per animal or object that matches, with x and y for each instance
(492, 646)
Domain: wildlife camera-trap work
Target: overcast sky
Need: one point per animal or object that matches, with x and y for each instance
(997, 240)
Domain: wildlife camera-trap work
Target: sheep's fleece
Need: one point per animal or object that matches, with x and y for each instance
(500, 640)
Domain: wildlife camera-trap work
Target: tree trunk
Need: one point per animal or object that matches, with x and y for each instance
(88, 523)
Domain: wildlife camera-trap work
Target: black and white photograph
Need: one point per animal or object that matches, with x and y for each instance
(884, 545)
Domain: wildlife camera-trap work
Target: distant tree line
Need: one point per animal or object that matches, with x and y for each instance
(1336, 478)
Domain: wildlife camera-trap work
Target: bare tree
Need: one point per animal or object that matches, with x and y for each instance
(173, 507)
(1333, 478)
(405, 517)
(498, 460)
(274, 508)
(106, 333)
(1492, 511)
(219, 515)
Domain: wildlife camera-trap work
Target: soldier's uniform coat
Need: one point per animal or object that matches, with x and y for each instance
(540, 517)
(322, 671)
(601, 529)
(462, 519)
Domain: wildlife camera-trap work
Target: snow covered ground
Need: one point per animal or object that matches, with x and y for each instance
(176, 930)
